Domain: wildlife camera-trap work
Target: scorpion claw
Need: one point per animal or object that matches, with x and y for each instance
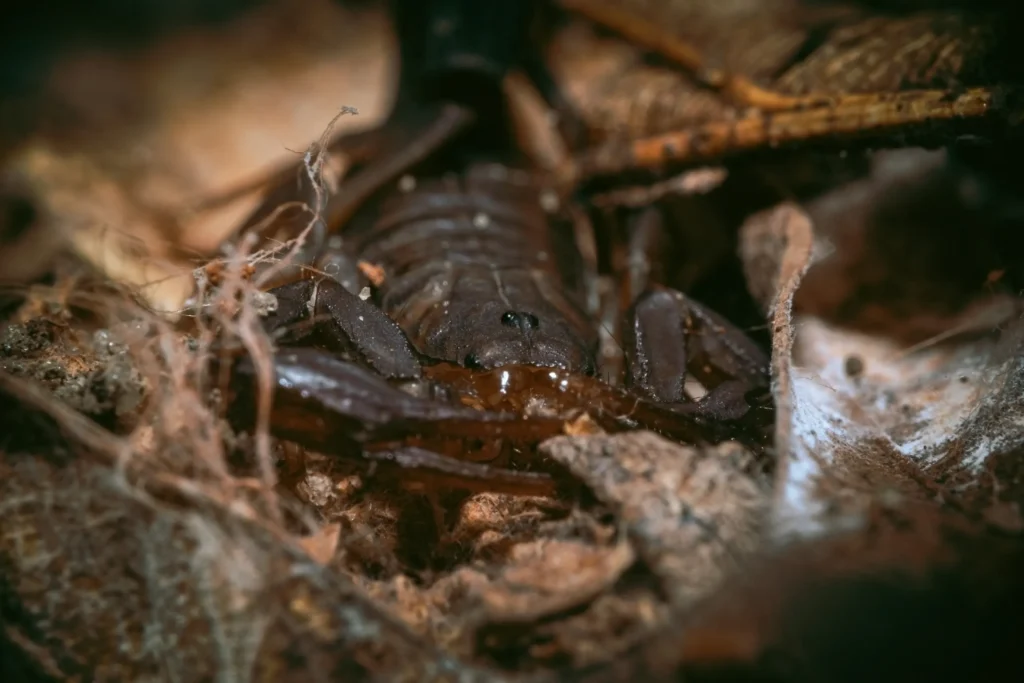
(342, 322)
(336, 407)
(669, 337)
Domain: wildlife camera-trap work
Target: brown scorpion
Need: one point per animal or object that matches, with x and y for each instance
(478, 331)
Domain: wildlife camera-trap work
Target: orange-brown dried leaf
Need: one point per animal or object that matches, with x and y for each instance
(322, 544)
(584, 425)
(784, 54)
(373, 272)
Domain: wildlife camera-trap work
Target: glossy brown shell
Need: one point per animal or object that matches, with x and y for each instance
(687, 81)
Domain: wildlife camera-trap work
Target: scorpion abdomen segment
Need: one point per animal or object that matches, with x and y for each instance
(464, 254)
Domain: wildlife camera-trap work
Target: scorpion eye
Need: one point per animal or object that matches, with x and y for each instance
(471, 362)
(524, 321)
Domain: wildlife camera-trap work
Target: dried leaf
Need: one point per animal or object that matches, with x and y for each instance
(373, 272)
(322, 544)
(549, 577)
(862, 417)
(746, 75)
(691, 514)
(584, 425)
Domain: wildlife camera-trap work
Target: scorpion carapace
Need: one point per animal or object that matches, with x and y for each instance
(475, 273)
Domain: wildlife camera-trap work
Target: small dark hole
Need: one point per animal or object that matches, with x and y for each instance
(18, 215)
(471, 362)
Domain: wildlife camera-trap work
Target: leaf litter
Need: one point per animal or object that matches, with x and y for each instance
(141, 541)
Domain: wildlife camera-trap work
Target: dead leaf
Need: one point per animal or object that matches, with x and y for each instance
(322, 545)
(691, 514)
(373, 272)
(584, 425)
(549, 577)
(862, 417)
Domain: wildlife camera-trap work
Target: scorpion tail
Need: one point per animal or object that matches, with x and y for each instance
(460, 50)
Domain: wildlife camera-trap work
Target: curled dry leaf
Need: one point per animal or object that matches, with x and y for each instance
(543, 598)
(864, 416)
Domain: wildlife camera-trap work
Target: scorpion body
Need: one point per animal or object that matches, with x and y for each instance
(473, 272)
(476, 273)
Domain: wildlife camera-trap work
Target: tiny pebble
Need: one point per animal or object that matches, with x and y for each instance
(549, 201)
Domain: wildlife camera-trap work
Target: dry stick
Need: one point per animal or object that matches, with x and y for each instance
(879, 117)
(696, 181)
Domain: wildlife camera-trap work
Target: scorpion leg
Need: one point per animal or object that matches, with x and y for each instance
(669, 336)
(648, 247)
(324, 311)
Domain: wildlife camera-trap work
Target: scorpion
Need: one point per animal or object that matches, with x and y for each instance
(476, 339)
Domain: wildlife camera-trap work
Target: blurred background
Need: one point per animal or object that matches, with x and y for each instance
(36, 35)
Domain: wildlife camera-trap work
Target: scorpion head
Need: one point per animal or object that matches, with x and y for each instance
(491, 335)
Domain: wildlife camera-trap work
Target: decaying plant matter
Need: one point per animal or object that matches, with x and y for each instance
(740, 76)
(161, 523)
